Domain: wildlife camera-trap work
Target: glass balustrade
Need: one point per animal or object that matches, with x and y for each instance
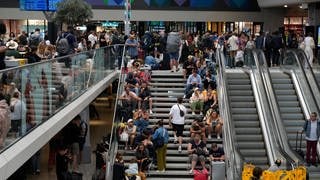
(35, 92)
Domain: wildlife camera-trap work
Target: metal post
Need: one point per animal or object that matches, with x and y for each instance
(127, 16)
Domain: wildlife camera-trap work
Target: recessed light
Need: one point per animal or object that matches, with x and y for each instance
(285, 6)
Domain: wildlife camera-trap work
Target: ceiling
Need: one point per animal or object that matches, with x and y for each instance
(277, 3)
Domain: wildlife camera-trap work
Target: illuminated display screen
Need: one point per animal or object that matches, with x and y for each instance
(218, 5)
(38, 5)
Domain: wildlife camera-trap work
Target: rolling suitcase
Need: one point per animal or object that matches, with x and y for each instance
(299, 150)
(218, 170)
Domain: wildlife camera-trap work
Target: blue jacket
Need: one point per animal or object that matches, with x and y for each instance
(141, 124)
(307, 128)
(159, 132)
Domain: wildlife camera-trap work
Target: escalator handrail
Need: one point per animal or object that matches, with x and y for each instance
(274, 106)
(304, 63)
(315, 90)
(277, 151)
(235, 160)
(308, 107)
(113, 143)
(262, 109)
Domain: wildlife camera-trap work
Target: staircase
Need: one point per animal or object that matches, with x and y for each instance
(247, 128)
(291, 112)
(165, 88)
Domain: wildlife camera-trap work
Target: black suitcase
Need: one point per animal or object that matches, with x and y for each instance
(299, 150)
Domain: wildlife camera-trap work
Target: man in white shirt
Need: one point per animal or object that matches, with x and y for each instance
(312, 129)
(93, 39)
(233, 43)
(176, 121)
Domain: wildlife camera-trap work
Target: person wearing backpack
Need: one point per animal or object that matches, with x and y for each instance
(66, 44)
(35, 38)
(161, 138)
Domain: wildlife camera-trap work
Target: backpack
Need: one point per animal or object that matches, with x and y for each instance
(34, 40)
(159, 142)
(63, 46)
(84, 128)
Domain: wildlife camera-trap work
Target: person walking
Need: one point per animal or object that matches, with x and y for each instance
(312, 129)
(161, 134)
(309, 46)
(176, 121)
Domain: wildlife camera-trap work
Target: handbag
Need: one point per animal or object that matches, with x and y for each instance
(181, 112)
(124, 136)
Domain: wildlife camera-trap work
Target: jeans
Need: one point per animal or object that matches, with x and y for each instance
(35, 162)
(311, 151)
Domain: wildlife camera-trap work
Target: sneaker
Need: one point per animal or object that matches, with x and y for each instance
(218, 137)
(150, 111)
(180, 149)
(157, 171)
(193, 113)
(175, 141)
(209, 136)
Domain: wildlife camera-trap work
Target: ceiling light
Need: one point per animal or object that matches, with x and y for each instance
(300, 6)
(285, 6)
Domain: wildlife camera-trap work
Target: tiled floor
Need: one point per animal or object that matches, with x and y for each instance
(98, 129)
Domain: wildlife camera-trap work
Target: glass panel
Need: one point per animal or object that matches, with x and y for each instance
(37, 91)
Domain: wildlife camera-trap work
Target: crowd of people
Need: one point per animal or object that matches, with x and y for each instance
(192, 54)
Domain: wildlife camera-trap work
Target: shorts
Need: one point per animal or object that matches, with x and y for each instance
(179, 128)
(174, 55)
(195, 157)
(75, 149)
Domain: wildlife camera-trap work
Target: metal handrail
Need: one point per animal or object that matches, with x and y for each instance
(275, 110)
(234, 159)
(276, 150)
(113, 143)
(311, 79)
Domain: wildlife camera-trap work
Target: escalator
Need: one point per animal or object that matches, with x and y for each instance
(290, 111)
(316, 72)
(309, 85)
(247, 128)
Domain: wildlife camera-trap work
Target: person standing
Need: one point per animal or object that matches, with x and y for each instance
(309, 46)
(132, 46)
(17, 108)
(3, 46)
(162, 134)
(5, 122)
(173, 47)
(233, 43)
(312, 129)
(176, 121)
